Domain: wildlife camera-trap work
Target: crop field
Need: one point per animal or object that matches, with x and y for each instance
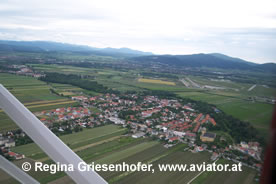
(180, 157)
(240, 89)
(233, 100)
(245, 177)
(7, 124)
(69, 90)
(27, 89)
(258, 114)
(34, 94)
(125, 153)
(107, 145)
(129, 82)
(75, 140)
(156, 81)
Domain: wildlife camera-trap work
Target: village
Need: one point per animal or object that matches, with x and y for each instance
(167, 120)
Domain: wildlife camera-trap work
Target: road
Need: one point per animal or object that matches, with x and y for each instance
(252, 87)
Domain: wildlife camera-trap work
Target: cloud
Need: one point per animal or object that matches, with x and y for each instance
(240, 28)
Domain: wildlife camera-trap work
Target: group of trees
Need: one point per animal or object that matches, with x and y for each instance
(76, 80)
(239, 130)
(6, 67)
(159, 75)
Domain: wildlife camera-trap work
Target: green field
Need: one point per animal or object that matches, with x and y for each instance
(233, 100)
(33, 93)
(259, 114)
(106, 145)
(75, 140)
(125, 153)
(246, 176)
(27, 89)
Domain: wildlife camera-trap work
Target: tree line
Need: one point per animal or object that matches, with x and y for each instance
(76, 80)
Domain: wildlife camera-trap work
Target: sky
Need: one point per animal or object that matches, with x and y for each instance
(238, 28)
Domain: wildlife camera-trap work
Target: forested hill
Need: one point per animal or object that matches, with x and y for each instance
(204, 60)
(47, 46)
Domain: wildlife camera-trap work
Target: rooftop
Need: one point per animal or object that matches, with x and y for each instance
(209, 134)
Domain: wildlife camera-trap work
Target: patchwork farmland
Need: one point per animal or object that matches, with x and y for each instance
(34, 94)
(107, 144)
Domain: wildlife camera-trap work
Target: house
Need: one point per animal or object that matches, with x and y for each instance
(60, 129)
(79, 98)
(179, 134)
(196, 127)
(117, 121)
(205, 119)
(10, 143)
(146, 114)
(188, 108)
(190, 136)
(198, 117)
(138, 135)
(3, 140)
(172, 139)
(212, 121)
(204, 146)
(208, 137)
(222, 138)
(214, 156)
(198, 149)
(164, 129)
(244, 145)
(15, 155)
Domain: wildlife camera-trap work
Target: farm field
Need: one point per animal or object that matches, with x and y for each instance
(106, 145)
(246, 176)
(27, 89)
(34, 94)
(76, 140)
(156, 81)
(258, 114)
(180, 157)
(7, 124)
(233, 100)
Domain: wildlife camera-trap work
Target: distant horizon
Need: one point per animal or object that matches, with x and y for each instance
(91, 46)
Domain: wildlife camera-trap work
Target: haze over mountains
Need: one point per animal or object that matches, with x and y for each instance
(213, 60)
(46, 46)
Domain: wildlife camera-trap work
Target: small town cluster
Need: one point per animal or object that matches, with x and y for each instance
(23, 70)
(168, 120)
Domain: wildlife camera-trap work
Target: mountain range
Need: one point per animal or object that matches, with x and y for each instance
(46, 46)
(212, 60)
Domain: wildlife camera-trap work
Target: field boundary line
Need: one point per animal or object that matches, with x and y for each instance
(199, 174)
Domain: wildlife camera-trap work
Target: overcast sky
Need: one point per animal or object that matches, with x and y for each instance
(239, 28)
